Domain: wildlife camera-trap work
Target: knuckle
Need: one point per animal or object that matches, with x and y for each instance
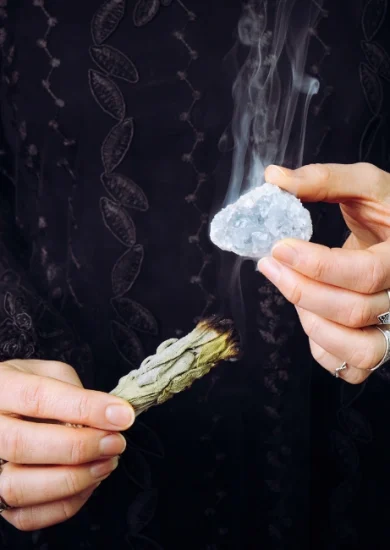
(78, 451)
(322, 171)
(310, 325)
(10, 492)
(72, 484)
(369, 171)
(61, 367)
(32, 397)
(374, 275)
(12, 445)
(83, 408)
(318, 269)
(360, 315)
(68, 509)
(366, 356)
(24, 519)
(356, 377)
(294, 294)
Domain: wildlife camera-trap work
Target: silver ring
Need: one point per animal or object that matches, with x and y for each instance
(4, 506)
(386, 357)
(384, 318)
(339, 369)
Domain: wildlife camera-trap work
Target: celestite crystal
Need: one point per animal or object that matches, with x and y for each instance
(258, 219)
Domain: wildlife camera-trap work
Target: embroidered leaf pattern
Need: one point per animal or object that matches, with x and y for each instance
(106, 20)
(114, 63)
(145, 11)
(125, 191)
(135, 315)
(107, 95)
(373, 17)
(9, 304)
(369, 137)
(141, 511)
(126, 270)
(356, 424)
(118, 221)
(374, 53)
(116, 144)
(10, 277)
(127, 344)
(372, 88)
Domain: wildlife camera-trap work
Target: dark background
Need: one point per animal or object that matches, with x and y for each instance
(269, 453)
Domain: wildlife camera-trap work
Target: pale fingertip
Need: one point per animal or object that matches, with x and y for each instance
(112, 445)
(120, 415)
(103, 469)
(274, 172)
(285, 253)
(270, 268)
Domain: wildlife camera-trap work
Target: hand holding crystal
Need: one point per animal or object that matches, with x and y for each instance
(339, 293)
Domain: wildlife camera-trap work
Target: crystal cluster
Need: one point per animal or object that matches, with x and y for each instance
(252, 225)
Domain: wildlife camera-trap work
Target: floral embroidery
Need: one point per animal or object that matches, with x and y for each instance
(17, 335)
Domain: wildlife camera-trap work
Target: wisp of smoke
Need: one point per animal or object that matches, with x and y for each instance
(272, 93)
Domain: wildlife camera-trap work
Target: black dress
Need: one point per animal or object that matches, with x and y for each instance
(111, 118)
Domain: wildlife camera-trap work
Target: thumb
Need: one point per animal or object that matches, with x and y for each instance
(332, 182)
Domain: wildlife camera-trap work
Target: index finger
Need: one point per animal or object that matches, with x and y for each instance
(47, 398)
(365, 271)
(331, 182)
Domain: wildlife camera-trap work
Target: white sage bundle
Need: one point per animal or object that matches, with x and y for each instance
(178, 363)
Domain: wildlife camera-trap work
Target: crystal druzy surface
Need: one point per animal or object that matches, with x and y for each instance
(258, 219)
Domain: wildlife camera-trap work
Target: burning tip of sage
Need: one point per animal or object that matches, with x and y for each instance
(178, 362)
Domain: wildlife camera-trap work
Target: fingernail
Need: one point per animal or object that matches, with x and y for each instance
(285, 254)
(270, 268)
(274, 172)
(103, 468)
(120, 415)
(112, 445)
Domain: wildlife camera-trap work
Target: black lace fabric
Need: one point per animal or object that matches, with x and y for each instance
(112, 113)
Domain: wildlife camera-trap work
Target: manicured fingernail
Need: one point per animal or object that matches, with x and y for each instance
(270, 268)
(274, 172)
(103, 468)
(120, 415)
(112, 445)
(285, 254)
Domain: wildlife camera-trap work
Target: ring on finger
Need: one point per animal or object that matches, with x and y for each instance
(384, 318)
(3, 505)
(340, 369)
(386, 356)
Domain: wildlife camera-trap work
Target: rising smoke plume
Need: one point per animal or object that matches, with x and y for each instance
(272, 92)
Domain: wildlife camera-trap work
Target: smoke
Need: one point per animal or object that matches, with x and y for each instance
(272, 92)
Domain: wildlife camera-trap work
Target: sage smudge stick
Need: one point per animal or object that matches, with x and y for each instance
(178, 363)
